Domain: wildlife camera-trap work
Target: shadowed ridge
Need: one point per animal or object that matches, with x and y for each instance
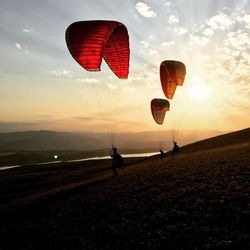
(196, 201)
(229, 139)
(54, 180)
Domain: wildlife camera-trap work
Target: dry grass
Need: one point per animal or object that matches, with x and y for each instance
(198, 200)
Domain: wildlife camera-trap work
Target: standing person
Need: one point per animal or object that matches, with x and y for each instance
(175, 149)
(117, 160)
(162, 153)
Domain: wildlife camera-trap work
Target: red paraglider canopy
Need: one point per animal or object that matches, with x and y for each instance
(158, 109)
(172, 73)
(90, 41)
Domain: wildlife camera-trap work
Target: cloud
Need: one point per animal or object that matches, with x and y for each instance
(173, 19)
(26, 30)
(112, 86)
(151, 37)
(147, 49)
(246, 19)
(208, 32)
(133, 78)
(145, 44)
(238, 40)
(198, 40)
(18, 46)
(63, 73)
(23, 48)
(153, 52)
(87, 80)
(220, 21)
(230, 65)
(168, 43)
(180, 31)
(140, 81)
(88, 118)
(168, 4)
(144, 10)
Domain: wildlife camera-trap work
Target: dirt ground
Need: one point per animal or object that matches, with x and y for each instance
(198, 200)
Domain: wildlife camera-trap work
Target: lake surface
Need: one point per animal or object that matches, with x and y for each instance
(87, 159)
(108, 157)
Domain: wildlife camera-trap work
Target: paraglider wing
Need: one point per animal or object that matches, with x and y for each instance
(90, 41)
(116, 51)
(180, 72)
(172, 73)
(158, 109)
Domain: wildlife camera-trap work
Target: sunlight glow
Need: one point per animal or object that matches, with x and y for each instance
(198, 89)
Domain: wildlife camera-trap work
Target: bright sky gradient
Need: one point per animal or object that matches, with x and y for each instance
(42, 87)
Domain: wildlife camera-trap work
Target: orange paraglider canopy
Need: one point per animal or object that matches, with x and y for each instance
(90, 41)
(172, 73)
(158, 109)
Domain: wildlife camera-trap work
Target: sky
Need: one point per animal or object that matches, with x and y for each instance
(43, 88)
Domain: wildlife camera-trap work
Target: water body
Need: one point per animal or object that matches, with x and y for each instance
(86, 159)
(7, 167)
(108, 157)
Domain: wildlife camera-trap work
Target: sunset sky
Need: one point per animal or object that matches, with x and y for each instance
(42, 86)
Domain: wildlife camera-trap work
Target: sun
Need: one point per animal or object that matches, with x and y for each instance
(198, 89)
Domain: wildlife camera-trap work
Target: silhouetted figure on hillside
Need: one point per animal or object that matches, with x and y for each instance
(117, 160)
(162, 154)
(175, 149)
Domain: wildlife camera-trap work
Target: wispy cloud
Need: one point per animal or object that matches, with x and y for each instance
(112, 86)
(246, 19)
(167, 4)
(208, 32)
(87, 80)
(232, 59)
(168, 43)
(61, 73)
(180, 31)
(88, 118)
(148, 50)
(238, 40)
(173, 19)
(22, 47)
(198, 40)
(153, 52)
(25, 30)
(145, 10)
(220, 21)
(133, 78)
(145, 44)
(18, 46)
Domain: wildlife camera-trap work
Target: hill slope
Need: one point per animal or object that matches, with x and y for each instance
(233, 138)
(198, 200)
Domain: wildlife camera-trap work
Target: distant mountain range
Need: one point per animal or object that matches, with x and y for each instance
(51, 140)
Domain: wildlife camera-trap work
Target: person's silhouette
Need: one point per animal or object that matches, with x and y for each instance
(175, 149)
(117, 160)
(162, 154)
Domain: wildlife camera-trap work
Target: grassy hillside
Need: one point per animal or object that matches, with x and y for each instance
(237, 137)
(197, 200)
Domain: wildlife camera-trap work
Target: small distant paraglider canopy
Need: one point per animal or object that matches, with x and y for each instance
(172, 73)
(90, 41)
(158, 109)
